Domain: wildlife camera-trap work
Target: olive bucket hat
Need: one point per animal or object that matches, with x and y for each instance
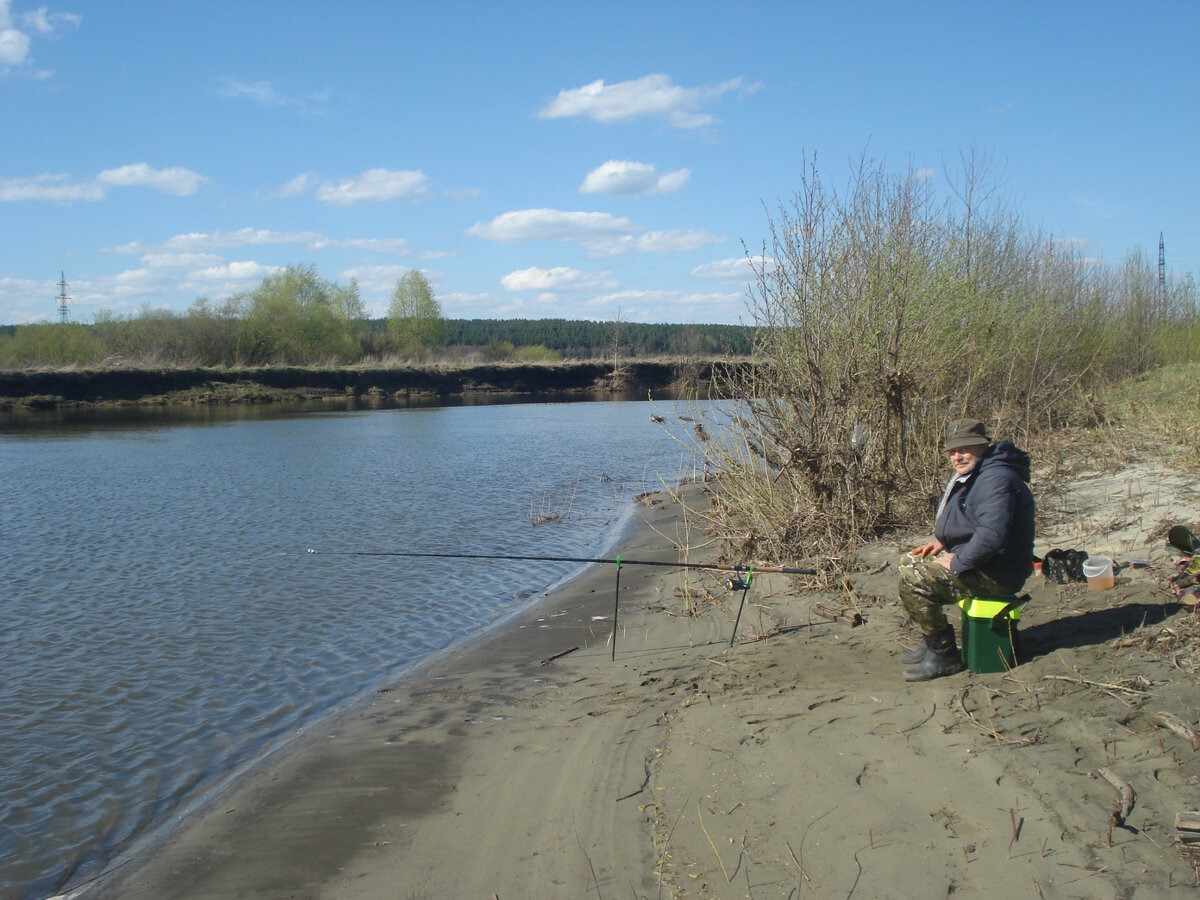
(966, 433)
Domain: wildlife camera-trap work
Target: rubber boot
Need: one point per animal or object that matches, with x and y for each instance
(941, 658)
(915, 655)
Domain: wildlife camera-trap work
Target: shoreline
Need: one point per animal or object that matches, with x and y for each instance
(102, 388)
(573, 618)
(798, 762)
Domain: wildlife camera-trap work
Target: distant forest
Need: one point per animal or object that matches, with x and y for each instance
(581, 339)
(279, 335)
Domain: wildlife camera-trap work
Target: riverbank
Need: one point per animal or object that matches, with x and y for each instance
(796, 762)
(48, 389)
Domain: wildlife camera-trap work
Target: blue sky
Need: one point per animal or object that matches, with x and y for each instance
(551, 159)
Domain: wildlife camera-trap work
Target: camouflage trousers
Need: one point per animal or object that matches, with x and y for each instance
(926, 587)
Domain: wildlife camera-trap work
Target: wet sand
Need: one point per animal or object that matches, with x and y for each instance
(795, 763)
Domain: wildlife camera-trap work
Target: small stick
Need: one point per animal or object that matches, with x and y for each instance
(797, 862)
(1124, 790)
(550, 659)
(616, 605)
(1176, 725)
(700, 815)
(1016, 830)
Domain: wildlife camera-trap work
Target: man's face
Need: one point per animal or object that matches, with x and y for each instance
(964, 459)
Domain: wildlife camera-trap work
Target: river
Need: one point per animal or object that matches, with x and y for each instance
(165, 626)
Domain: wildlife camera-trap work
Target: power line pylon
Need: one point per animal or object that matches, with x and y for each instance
(1162, 266)
(64, 299)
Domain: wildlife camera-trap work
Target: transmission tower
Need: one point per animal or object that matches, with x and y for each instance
(1162, 266)
(64, 299)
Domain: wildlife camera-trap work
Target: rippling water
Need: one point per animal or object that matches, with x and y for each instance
(162, 623)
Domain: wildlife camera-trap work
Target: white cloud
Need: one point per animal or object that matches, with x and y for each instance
(203, 242)
(198, 242)
(651, 95)
(550, 225)
(45, 22)
(374, 186)
(55, 188)
(671, 241)
(738, 270)
(25, 300)
(261, 92)
(375, 279)
(467, 193)
(264, 93)
(601, 234)
(58, 188)
(627, 177)
(396, 246)
(178, 181)
(301, 184)
(672, 306)
(15, 41)
(170, 260)
(227, 279)
(138, 282)
(556, 279)
(242, 270)
(14, 47)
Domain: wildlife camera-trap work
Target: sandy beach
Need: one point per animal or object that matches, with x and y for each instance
(795, 763)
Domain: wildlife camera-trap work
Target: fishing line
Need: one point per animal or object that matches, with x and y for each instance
(619, 561)
(736, 583)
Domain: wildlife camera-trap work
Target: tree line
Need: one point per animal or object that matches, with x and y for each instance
(297, 317)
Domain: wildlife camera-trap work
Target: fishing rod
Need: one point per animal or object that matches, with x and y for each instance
(744, 574)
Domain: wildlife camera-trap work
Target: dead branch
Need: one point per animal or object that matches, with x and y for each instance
(1124, 791)
(1178, 726)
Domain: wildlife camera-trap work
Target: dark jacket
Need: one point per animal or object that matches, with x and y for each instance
(987, 521)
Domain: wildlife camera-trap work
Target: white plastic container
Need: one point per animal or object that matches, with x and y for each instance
(1098, 570)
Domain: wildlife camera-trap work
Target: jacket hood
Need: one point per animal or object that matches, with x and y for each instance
(1006, 453)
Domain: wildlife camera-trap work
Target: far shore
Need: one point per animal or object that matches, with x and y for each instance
(47, 389)
(790, 761)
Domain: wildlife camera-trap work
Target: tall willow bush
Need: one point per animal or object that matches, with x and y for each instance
(883, 312)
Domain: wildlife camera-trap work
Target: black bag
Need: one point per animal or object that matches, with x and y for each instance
(1064, 566)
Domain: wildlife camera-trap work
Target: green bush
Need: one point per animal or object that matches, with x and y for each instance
(498, 350)
(535, 354)
(65, 344)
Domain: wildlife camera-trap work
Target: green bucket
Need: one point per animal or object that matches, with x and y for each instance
(989, 631)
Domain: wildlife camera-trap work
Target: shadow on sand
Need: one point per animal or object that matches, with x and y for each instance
(1092, 627)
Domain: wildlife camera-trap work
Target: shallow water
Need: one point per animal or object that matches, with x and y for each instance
(164, 624)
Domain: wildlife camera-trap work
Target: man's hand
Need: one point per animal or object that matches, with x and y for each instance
(933, 547)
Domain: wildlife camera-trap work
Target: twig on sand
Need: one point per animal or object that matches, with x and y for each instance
(645, 782)
(1136, 686)
(803, 837)
(591, 878)
(990, 731)
(550, 659)
(662, 859)
(858, 863)
(1121, 786)
(724, 872)
(797, 862)
(1178, 726)
(932, 712)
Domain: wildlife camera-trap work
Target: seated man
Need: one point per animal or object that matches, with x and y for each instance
(983, 543)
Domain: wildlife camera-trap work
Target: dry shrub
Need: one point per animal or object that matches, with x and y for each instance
(883, 313)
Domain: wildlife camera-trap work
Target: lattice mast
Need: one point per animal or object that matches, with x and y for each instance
(64, 299)
(1162, 266)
